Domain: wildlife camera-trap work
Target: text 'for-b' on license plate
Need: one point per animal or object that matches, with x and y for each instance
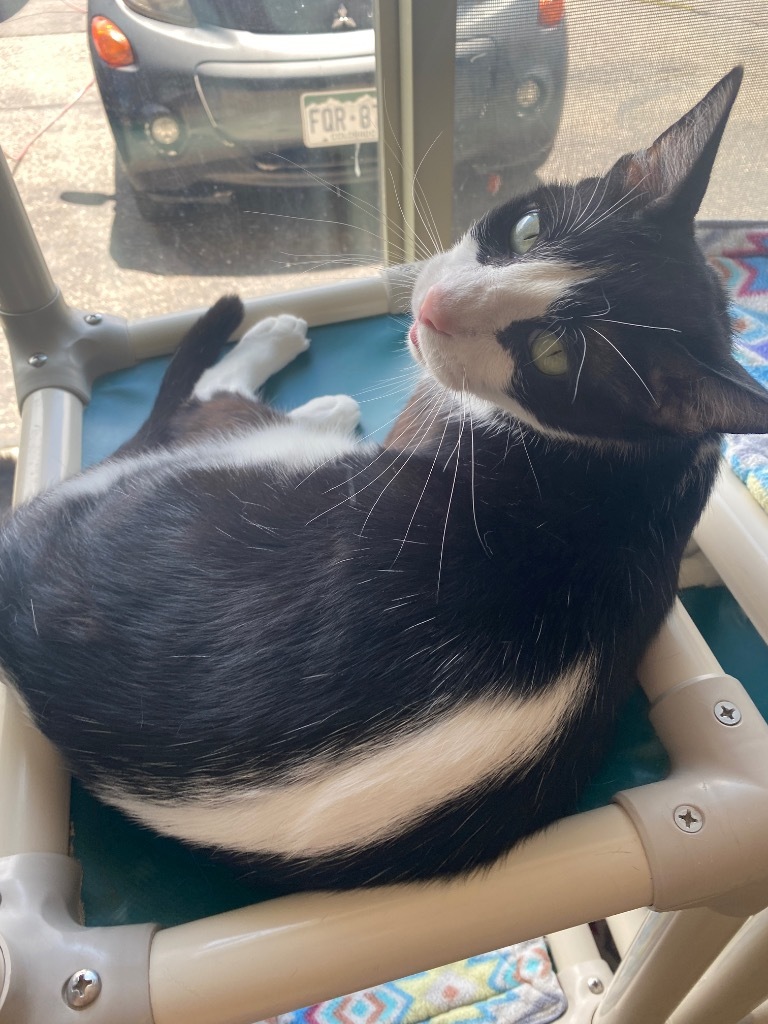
(339, 118)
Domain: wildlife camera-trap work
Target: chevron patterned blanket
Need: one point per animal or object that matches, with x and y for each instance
(515, 985)
(740, 256)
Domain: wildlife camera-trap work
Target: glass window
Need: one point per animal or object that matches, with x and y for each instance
(169, 151)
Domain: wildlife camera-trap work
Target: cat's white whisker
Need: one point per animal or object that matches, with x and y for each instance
(317, 220)
(404, 389)
(404, 541)
(615, 208)
(356, 201)
(413, 452)
(627, 323)
(581, 364)
(528, 457)
(361, 441)
(483, 544)
(585, 215)
(450, 503)
(327, 259)
(575, 197)
(400, 454)
(558, 219)
(425, 400)
(409, 376)
(622, 356)
(420, 249)
(419, 246)
(429, 222)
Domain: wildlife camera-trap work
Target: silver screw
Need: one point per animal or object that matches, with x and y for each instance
(689, 818)
(93, 318)
(38, 359)
(82, 989)
(595, 986)
(727, 713)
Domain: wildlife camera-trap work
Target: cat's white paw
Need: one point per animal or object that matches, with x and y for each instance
(264, 349)
(285, 332)
(339, 413)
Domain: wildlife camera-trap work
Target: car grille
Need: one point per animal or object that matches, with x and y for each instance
(263, 113)
(288, 17)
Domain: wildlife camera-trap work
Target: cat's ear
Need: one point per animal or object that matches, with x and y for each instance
(695, 398)
(674, 171)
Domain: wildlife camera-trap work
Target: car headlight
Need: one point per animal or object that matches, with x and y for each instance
(177, 12)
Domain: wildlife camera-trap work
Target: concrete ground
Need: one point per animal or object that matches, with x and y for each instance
(634, 66)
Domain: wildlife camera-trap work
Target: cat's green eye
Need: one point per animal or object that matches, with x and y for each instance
(547, 353)
(525, 233)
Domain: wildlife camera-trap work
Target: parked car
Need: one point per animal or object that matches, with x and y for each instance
(203, 96)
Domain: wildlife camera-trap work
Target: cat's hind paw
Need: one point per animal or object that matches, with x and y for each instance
(339, 413)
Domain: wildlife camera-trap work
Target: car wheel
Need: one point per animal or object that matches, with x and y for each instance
(150, 208)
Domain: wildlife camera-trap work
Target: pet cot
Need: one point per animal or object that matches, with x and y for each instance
(688, 842)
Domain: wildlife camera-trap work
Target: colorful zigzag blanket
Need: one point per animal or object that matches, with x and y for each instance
(740, 255)
(515, 985)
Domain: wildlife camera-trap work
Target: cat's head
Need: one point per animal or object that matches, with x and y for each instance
(588, 309)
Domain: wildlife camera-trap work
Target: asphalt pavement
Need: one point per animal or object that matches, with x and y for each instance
(634, 66)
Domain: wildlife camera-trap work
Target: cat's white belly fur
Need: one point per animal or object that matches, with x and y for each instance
(371, 796)
(293, 447)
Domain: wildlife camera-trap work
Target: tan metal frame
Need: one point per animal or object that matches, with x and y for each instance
(415, 88)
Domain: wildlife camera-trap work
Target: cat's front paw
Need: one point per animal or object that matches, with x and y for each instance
(264, 349)
(339, 413)
(285, 334)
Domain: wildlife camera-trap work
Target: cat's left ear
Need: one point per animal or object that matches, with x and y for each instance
(695, 398)
(675, 170)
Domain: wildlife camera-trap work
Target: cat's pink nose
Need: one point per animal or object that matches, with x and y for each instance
(432, 312)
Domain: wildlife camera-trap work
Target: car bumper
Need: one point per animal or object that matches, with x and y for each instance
(239, 118)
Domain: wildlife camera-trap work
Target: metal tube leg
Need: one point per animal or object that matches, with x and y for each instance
(624, 928)
(667, 958)
(34, 788)
(581, 971)
(735, 983)
(758, 1016)
(25, 281)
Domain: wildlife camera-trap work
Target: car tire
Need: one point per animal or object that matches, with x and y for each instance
(153, 210)
(150, 208)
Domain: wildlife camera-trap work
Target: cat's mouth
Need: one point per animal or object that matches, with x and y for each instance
(413, 338)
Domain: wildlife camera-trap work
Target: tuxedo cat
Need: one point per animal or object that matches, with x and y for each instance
(341, 664)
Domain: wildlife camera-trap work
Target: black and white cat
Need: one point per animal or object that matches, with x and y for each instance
(344, 665)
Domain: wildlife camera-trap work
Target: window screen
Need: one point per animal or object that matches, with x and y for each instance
(568, 98)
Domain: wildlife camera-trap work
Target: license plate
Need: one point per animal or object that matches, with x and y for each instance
(339, 118)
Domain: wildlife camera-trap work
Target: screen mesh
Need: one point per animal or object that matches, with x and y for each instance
(632, 68)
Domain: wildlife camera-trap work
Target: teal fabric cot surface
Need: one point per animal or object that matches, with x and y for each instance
(131, 875)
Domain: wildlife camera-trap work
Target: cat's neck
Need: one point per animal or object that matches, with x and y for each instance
(512, 462)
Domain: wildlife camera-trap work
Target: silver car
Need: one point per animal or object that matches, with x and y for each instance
(204, 96)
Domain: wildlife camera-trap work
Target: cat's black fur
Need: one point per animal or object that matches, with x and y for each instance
(221, 628)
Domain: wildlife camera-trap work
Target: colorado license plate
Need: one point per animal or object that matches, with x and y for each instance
(339, 118)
